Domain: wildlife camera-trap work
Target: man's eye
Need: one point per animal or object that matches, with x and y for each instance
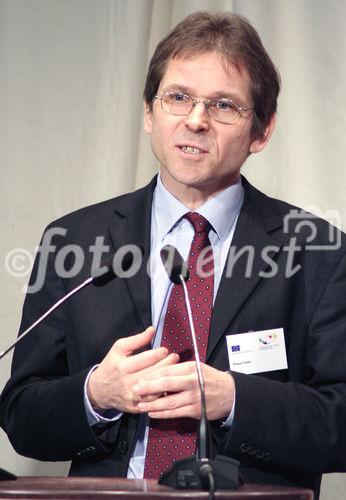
(178, 97)
(224, 105)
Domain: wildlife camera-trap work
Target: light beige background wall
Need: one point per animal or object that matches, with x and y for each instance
(71, 81)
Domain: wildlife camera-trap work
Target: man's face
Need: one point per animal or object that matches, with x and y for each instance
(199, 156)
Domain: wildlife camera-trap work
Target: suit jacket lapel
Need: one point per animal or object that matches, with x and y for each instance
(241, 275)
(131, 224)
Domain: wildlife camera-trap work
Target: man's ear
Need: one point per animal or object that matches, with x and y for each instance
(260, 143)
(148, 123)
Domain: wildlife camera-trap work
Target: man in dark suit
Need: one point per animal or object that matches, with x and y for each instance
(86, 383)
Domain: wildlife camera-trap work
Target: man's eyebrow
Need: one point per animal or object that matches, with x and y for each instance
(232, 96)
(176, 87)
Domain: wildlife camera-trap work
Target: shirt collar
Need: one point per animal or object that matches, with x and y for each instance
(220, 211)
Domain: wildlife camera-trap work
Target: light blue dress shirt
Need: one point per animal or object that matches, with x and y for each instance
(169, 227)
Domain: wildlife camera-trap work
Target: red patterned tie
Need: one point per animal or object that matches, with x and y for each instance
(174, 439)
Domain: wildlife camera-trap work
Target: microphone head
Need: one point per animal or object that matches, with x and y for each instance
(174, 264)
(107, 271)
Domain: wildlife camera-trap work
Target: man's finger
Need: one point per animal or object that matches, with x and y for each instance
(145, 359)
(171, 359)
(128, 345)
(179, 369)
(170, 403)
(165, 384)
(183, 411)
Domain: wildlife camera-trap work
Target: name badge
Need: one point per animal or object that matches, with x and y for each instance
(256, 352)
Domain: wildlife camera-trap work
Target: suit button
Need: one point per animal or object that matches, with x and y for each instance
(244, 447)
(260, 454)
(89, 450)
(267, 457)
(123, 446)
(252, 451)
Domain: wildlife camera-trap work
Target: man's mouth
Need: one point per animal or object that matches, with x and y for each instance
(192, 150)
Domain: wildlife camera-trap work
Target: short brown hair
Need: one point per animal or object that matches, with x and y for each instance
(237, 42)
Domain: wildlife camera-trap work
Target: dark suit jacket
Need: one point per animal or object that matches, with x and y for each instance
(289, 425)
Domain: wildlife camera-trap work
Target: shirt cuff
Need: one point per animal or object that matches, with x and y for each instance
(93, 417)
(229, 421)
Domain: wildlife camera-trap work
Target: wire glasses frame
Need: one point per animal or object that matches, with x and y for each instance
(219, 109)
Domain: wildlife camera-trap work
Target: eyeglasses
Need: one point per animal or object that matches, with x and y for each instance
(221, 110)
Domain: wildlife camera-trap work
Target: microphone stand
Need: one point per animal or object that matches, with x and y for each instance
(202, 472)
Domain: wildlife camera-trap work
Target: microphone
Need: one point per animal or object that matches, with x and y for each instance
(112, 267)
(108, 270)
(174, 264)
(202, 471)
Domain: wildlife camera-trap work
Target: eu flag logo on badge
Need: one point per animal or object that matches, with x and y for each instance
(235, 348)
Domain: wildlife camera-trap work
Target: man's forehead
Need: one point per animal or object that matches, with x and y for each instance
(181, 68)
(227, 61)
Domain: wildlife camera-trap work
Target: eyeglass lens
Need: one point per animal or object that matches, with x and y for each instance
(179, 104)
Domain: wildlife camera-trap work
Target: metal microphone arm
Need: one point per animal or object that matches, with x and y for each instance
(202, 471)
(44, 315)
(203, 448)
(99, 276)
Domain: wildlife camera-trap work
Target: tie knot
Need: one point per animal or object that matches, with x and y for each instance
(200, 223)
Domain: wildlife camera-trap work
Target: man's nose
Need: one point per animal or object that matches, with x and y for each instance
(198, 119)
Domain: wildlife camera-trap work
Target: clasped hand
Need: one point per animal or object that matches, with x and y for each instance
(154, 382)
